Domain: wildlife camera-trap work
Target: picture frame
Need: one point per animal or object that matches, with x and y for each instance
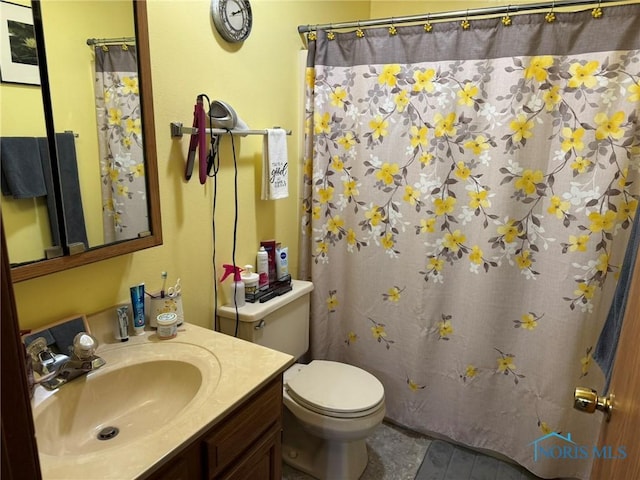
(18, 53)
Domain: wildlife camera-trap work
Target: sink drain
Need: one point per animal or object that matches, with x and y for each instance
(107, 433)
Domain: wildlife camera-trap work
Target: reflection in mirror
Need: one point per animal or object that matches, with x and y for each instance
(101, 106)
(84, 93)
(22, 121)
(110, 147)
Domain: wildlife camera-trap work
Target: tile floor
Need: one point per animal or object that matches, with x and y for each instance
(397, 454)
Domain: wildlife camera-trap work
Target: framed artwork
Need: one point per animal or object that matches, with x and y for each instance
(18, 55)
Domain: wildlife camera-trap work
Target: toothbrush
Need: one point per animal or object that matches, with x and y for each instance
(164, 283)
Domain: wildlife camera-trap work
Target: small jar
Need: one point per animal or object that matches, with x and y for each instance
(167, 325)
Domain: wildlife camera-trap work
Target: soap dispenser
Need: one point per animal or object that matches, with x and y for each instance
(237, 287)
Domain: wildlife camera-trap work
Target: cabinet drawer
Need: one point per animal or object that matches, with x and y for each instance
(262, 461)
(249, 422)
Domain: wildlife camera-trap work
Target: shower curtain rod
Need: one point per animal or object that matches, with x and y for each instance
(472, 12)
(103, 41)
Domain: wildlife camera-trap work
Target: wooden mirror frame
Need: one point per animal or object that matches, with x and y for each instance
(45, 267)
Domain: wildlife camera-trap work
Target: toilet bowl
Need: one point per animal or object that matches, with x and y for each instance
(331, 408)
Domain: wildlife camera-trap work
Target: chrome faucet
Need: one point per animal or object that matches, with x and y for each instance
(57, 369)
(45, 362)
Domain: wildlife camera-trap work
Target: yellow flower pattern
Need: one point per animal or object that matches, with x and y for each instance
(521, 127)
(379, 126)
(387, 173)
(388, 75)
(583, 75)
(528, 321)
(609, 126)
(423, 80)
(538, 67)
(467, 94)
(445, 125)
(413, 386)
(332, 301)
(418, 136)
(445, 329)
(528, 181)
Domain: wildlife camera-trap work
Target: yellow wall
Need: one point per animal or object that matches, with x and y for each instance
(260, 80)
(390, 8)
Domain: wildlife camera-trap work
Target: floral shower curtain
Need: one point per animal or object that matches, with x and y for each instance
(124, 201)
(469, 193)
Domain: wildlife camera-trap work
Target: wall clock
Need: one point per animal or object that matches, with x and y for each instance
(232, 18)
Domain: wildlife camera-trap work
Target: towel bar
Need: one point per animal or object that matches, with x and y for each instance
(177, 130)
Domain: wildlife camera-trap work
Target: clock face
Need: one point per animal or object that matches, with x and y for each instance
(232, 18)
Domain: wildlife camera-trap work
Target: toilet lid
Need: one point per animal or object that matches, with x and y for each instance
(335, 387)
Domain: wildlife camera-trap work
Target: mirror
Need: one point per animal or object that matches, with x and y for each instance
(70, 81)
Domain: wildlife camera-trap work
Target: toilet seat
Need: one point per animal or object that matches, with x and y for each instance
(335, 389)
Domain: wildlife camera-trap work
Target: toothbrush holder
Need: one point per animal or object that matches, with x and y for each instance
(168, 304)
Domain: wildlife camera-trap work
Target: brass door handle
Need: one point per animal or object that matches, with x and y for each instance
(587, 400)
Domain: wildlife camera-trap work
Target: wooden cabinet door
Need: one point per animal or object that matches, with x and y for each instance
(263, 462)
(187, 466)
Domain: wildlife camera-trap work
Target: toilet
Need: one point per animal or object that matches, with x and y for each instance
(330, 407)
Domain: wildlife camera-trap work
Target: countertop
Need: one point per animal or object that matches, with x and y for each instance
(244, 368)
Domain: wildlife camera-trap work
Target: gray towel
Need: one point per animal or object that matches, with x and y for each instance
(22, 175)
(72, 199)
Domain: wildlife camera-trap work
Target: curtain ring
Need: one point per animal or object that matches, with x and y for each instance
(427, 26)
(465, 23)
(506, 20)
(330, 34)
(392, 28)
(597, 12)
(550, 17)
(359, 31)
(313, 34)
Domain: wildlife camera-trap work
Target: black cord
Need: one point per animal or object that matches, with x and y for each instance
(235, 222)
(216, 325)
(214, 164)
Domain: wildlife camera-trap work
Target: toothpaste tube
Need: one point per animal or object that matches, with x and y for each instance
(137, 303)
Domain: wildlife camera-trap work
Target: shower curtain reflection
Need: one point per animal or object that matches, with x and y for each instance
(469, 194)
(124, 202)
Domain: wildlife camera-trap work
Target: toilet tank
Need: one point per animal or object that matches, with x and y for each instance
(281, 323)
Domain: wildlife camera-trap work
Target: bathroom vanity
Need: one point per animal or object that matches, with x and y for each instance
(247, 444)
(202, 405)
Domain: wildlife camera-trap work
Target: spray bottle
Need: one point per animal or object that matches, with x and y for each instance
(237, 287)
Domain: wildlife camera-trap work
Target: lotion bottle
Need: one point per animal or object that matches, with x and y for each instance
(263, 268)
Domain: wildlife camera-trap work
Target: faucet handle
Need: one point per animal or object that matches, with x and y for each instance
(84, 345)
(40, 354)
